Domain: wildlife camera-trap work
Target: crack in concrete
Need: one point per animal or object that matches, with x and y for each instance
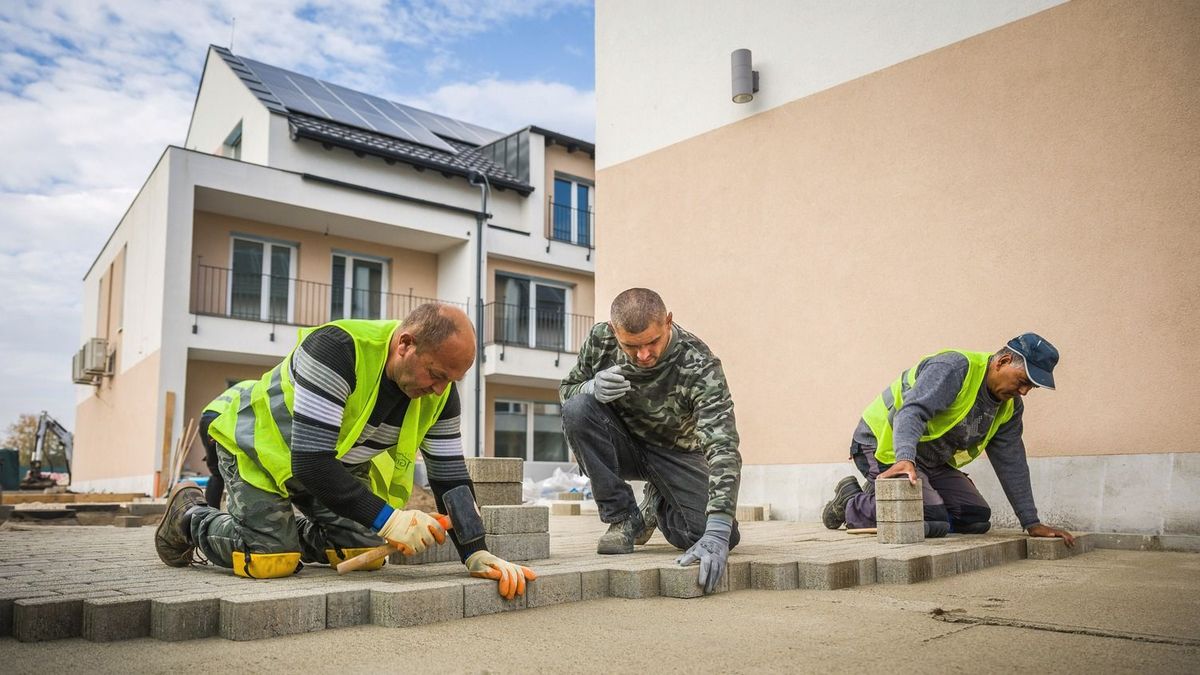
(944, 616)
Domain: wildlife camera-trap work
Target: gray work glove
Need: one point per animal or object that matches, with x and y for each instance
(608, 385)
(712, 550)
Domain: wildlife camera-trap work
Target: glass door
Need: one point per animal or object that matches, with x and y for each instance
(261, 281)
(359, 285)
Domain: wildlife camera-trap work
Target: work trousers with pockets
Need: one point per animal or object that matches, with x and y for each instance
(609, 455)
(258, 521)
(948, 493)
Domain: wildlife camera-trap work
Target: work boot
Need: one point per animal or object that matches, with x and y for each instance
(834, 513)
(649, 510)
(620, 535)
(173, 538)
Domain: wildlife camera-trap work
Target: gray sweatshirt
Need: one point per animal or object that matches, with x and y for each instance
(939, 380)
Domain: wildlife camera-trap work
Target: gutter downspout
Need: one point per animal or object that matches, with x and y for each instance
(481, 218)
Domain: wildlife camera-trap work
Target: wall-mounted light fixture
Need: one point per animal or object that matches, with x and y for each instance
(745, 78)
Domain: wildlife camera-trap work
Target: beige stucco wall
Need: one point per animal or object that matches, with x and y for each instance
(513, 393)
(1041, 176)
(116, 426)
(205, 381)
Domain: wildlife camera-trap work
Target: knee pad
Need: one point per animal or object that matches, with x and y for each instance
(936, 529)
(975, 527)
(265, 565)
(348, 553)
(937, 513)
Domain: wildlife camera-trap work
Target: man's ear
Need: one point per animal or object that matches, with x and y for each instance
(1003, 360)
(404, 343)
(669, 318)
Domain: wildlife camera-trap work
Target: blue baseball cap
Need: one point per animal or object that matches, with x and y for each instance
(1040, 358)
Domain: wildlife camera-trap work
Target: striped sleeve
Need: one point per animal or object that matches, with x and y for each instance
(322, 372)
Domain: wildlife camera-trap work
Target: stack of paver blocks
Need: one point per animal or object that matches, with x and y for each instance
(517, 532)
(899, 511)
(497, 479)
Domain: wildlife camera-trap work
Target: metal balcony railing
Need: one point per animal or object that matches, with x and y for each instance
(219, 291)
(570, 225)
(536, 328)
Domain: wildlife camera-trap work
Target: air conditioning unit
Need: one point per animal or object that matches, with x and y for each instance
(78, 376)
(95, 357)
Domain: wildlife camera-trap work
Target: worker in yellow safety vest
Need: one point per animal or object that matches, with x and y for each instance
(937, 417)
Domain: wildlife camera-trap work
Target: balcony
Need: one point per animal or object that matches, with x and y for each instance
(531, 346)
(220, 291)
(570, 225)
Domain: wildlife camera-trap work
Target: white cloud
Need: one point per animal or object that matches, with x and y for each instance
(91, 92)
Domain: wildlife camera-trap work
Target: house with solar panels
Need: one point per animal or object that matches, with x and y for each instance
(295, 201)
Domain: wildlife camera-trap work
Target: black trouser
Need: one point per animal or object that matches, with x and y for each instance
(609, 456)
(216, 484)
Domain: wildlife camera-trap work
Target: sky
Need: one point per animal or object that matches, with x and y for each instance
(91, 91)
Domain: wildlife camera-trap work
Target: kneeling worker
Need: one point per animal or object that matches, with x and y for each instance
(937, 417)
(648, 401)
(334, 430)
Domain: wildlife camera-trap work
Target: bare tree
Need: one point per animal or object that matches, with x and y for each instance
(22, 435)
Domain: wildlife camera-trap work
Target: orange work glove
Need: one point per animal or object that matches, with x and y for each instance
(411, 532)
(511, 577)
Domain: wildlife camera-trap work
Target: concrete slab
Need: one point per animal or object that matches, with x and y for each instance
(254, 617)
(188, 617)
(416, 604)
(496, 469)
(515, 519)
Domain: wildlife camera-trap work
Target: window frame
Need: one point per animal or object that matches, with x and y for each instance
(348, 282)
(264, 299)
(530, 428)
(531, 327)
(575, 182)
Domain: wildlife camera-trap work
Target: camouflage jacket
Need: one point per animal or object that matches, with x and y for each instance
(681, 402)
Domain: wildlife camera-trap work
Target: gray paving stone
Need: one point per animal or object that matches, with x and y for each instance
(978, 557)
(185, 617)
(943, 564)
(828, 575)
(775, 575)
(684, 582)
(900, 533)
(896, 489)
(1054, 548)
(867, 571)
(494, 494)
(520, 547)
(569, 496)
(595, 584)
(565, 509)
(908, 569)
(1012, 550)
(438, 553)
(480, 596)
(514, 519)
(641, 583)
(7, 597)
(739, 575)
(554, 588)
(127, 521)
(116, 618)
(254, 617)
(907, 511)
(51, 617)
(495, 469)
(347, 607)
(416, 604)
(147, 508)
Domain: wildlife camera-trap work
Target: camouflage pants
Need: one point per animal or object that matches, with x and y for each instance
(264, 522)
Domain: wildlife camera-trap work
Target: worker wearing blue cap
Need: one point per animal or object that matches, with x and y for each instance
(937, 417)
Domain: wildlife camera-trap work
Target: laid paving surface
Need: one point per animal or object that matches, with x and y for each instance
(107, 584)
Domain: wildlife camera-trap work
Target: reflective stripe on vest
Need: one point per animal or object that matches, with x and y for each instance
(883, 409)
(219, 403)
(256, 424)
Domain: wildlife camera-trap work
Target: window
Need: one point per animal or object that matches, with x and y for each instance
(571, 211)
(359, 284)
(531, 431)
(232, 147)
(261, 287)
(530, 313)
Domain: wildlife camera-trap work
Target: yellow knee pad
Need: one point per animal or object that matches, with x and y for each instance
(349, 553)
(265, 565)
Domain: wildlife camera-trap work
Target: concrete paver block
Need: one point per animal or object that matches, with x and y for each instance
(254, 617)
(1053, 548)
(481, 596)
(116, 618)
(594, 584)
(866, 571)
(641, 583)
(347, 607)
(51, 617)
(7, 597)
(907, 511)
(493, 494)
(750, 512)
(896, 489)
(828, 575)
(416, 604)
(127, 521)
(515, 519)
(188, 617)
(437, 553)
(561, 509)
(554, 588)
(1012, 550)
(569, 496)
(903, 570)
(900, 533)
(684, 582)
(496, 469)
(979, 557)
(739, 575)
(147, 508)
(514, 547)
(943, 564)
(768, 575)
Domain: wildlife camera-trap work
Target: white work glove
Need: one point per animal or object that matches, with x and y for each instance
(608, 385)
(510, 578)
(412, 531)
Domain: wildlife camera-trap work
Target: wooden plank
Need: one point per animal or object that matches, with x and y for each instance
(70, 498)
(164, 473)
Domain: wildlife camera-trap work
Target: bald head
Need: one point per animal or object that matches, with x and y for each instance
(434, 346)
